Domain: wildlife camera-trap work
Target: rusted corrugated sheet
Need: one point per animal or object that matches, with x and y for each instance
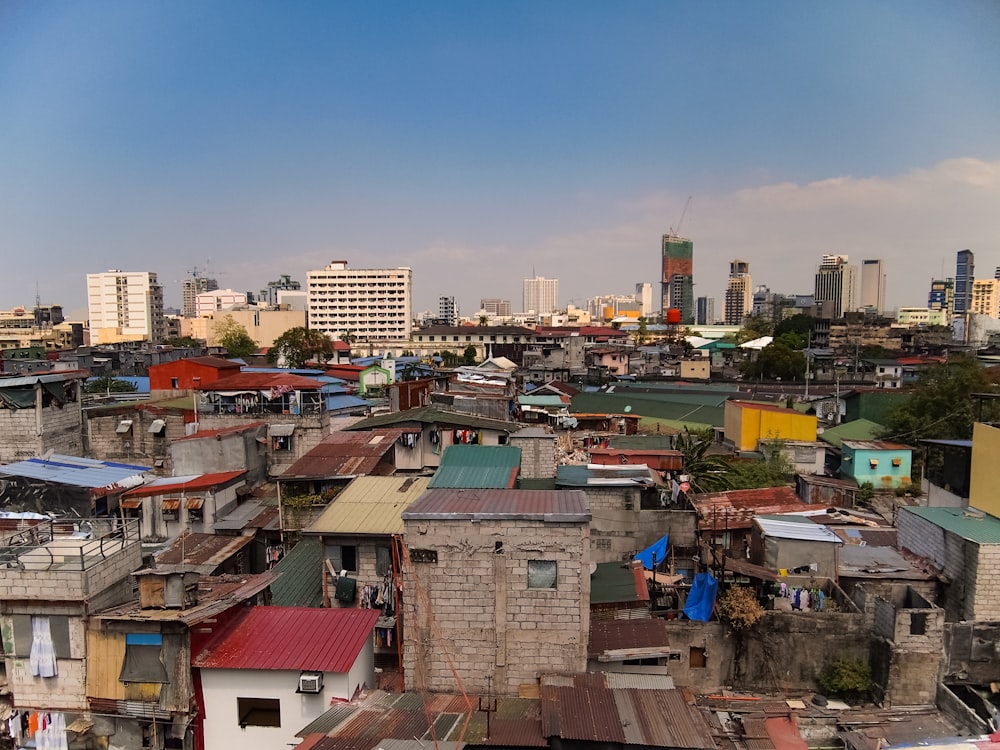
(610, 635)
(544, 505)
(735, 509)
(344, 454)
(755, 736)
(207, 551)
(667, 720)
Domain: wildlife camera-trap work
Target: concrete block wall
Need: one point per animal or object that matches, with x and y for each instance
(19, 438)
(538, 454)
(616, 522)
(473, 609)
(309, 431)
(921, 537)
(137, 445)
(366, 557)
(62, 429)
(982, 580)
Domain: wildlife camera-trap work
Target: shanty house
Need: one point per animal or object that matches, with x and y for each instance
(795, 544)
(881, 464)
(40, 413)
(168, 506)
(749, 422)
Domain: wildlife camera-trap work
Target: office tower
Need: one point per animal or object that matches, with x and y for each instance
(836, 283)
(965, 273)
(873, 285)
(986, 297)
(644, 296)
(499, 308)
(285, 283)
(370, 303)
(541, 295)
(448, 310)
(124, 306)
(677, 282)
(191, 288)
(739, 293)
(942, 295)
(706, 311)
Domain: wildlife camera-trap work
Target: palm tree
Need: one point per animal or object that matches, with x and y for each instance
(708, 473)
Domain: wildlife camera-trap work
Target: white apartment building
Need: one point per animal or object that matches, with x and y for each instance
(209, 302)
(644, 296)
(370, 303)
(124, 306)
(541, 295)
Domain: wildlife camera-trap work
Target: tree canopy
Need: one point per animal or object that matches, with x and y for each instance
(298, 346)
(234, 338)
(774, 361)
(108, 384)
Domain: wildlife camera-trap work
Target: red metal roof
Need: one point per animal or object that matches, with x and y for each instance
(172, 485)
(262, 381)
(613, 635)
(541, 505)
(324, 640)
(763, 407)
(345, 454)
(735, 509)
(217, 362)
(202, 434)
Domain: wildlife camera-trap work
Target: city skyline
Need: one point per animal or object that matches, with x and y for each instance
(466, 141)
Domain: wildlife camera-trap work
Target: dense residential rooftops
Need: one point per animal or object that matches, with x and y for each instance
(557, 506)
(262, 381)
(427, 415)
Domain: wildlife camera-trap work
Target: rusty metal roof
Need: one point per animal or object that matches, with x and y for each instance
(735, 509)
(261, 381)
(614, 635)
(193, 483)
(370, 505)
(549, 506)
(344, 454)
(202, 553)
(290, 638)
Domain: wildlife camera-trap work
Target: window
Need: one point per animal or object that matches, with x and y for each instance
(542, 574)
(258, 712)
(383, 560)
(281, 443)
(24, 634)
(343, 557)
(918, 623)
(175, 383)
(696, 657)
(142, 659)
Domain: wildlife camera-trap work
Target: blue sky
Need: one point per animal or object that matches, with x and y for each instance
(475, 142)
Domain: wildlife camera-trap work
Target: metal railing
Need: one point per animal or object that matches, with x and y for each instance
(66, 545)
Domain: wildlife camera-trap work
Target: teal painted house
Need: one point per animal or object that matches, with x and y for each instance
(883, 465)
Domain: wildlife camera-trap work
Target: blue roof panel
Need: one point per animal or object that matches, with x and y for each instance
(75, 471)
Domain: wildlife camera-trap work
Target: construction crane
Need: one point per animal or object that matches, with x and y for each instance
(680, 222)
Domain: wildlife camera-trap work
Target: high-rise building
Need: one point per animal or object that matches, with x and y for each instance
(124, 306)
(372, 304)
(986, 297)
(541, 295)
(644, 296)
(836, 283)
(965, 274)
(208, 303)
(285, 283)
(942, 295)
(739, 293)
(873, 285)
(190, 289)
(497, 307)
(677, 282)
(706, 311)
(448, 310)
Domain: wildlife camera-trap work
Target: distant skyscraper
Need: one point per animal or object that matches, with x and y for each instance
(448, 310)
(739, 293)
(986, 297)
(677, 282)
(706, 311)
(873, 285)
(942, 295)
(498, 307)
(284, 283)
(541, 295)
(965, 273)
(370, 303)
(836, 283)
(190, 289)
(644, 296)
(124, 306)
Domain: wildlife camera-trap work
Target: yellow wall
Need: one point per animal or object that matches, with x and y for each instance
(984, 492)
(746, 426)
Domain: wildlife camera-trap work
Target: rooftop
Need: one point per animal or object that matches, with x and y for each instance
(620, 635)
(557, 506)
(618, 583)
(191, 483)
(875, 445)
(78, 472)
(428, 415)
(201, 553)
(735, 509)
(574, 475)
(801, 529)
(370, 505)
(299, 576)
(262, 381)
(345, 454)
(478, 467)
(857, 429)
(971, 524)
(294, 638)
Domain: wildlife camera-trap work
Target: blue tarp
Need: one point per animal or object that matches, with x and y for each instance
(659, 548)
(701, 600)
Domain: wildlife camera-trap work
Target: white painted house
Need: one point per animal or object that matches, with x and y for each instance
(279, 669)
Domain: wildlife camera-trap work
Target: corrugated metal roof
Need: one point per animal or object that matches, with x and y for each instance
(49, 377)
(735, 509)
(856, 429)
(638, 681)
(430, 415)
(973, 525)
(77, 472)
(554, 401)
(810, 532)
(344, 454)
(370, 505)
(875, 445)
(202, 553)
(615, 582)
(191, 483)
(478, 467)
(614, 635)
(327, 640)
(261, 381)
(575, 475)
(203, 434)
(299, 581)
(245, 513)
(557, 506)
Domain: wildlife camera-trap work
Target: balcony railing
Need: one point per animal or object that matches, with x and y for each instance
(62, 545)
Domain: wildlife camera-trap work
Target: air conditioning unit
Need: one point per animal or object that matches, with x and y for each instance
(311, 682)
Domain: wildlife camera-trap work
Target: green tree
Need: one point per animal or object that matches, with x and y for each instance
(774, 361)
(184, 342)
(801, 325)
(298, 346)
(108, 384)
(850, 678)
(233, 337)
(469, 355)
(706, 472)
(941, 404)
(449, 358)
(754, 327)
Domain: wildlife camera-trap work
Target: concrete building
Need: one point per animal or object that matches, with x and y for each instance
(373, 304)
(677, 279)
(881, 464)
(40, 413)
(706, 311)
(448, 311)
(986, 298)
(965, 274)
(921, 316)
(644, 296)
(739, 293)
(124, 306)
(209, 302)
(271, 296)
(942, 296)
(541, 296)
(747, 423)
(501, 577)
(499, 308)
(190, 289)
(873, 285)
(836, 283)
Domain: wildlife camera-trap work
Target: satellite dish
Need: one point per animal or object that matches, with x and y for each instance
(628, 409)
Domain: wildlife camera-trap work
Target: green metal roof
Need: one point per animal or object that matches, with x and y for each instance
(300, 579)
(541, 401)
(975, 526)
(430, 415)
(477, 467)
(859, 429)
(613, 583)
(657, 406)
